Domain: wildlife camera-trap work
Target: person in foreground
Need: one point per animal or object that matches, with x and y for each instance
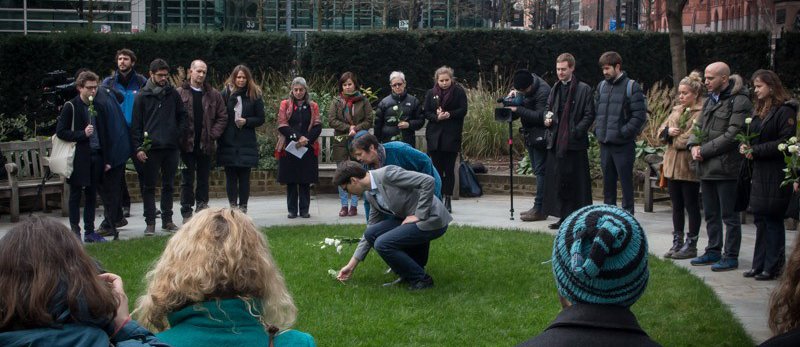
(53, 294)
(784, 305)
(600, 267)
(216, 284)
(404, 214)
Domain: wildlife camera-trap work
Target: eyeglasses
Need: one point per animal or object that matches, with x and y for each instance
(162, 75)
(395, 85)
(90, 87)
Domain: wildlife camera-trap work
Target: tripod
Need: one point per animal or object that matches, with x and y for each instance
(511, 165)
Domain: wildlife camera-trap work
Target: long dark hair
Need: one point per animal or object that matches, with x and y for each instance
(38, 258)
(778, 94)
(253, 90)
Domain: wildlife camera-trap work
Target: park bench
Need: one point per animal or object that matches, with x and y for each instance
(651, 178)
(27, 168)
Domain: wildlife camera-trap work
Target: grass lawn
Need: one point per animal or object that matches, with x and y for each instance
(493, 288)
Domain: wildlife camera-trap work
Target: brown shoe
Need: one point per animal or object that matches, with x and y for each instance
(531, 211)
(343, 212)
(534, 217)
(353, 211)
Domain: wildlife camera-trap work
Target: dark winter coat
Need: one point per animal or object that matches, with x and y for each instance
(720, 122)
(81, 164)
(161, 115)
(445, 135)
(618, 118)
(112, 128)
(534, 107)
(593, 325)
(292, 169)
(215, 118)
(767, 197)
(128, 91)
(238, 147)
(581, 115)
(386, 118)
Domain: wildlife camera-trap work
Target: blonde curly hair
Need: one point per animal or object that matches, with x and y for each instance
(218, 254)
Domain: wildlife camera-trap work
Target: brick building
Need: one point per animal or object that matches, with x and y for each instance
(731, 15)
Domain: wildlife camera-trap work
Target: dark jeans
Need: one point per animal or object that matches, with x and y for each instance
(295, 192)
(126, 196)
(90, 192)
(538, 160)
(719, 200)
(685, 195)
(616, 161)
(199, 163)
(111, 193)
(237, 184)
(164, 162)
(770, 245)
(392, 241)
(445, 164)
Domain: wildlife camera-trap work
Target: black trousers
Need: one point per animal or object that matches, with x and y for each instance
(237, 184)
(685, 196)
(89, 192)
(445, 164)
(126, 196)
(298, 192)
(617, 162)
(165, 163)
(770, 249)
(198, 166)
(111, 193)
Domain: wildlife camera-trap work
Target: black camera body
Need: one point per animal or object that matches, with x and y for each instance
(503, 114)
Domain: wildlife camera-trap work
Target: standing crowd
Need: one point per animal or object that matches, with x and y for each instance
(218, 272)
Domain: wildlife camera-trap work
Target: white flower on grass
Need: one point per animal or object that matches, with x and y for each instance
(339, 249)
(793, 140)
(337, 242)
(322, 247)
(782, 147)
(333, 273)
(748, 120)
(793, 148)
(329, 241)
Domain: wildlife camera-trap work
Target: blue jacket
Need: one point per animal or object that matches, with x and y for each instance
(619, 116)
(113, 130)
(129, 93)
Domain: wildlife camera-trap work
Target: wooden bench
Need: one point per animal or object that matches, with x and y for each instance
(650, 184)
(27, 166)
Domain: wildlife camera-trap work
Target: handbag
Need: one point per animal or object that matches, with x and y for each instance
(468, 182)
(63, 152)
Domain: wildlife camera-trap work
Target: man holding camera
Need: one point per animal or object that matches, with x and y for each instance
(528, 102)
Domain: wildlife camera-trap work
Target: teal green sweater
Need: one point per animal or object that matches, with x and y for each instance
(224, 323)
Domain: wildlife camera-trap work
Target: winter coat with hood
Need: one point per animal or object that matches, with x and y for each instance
(215, 118)
(767, 197)
(719, 123)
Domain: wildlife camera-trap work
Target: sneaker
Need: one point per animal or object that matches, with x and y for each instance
(169, 227)
(397, 282)
(201, 205)
(150, 230)
(122, 222)
(292, 215)
(725, 264)
(93, 237)
(243, 208)
(706, 259)
(105, 231)
(305, 215)
(424, 283)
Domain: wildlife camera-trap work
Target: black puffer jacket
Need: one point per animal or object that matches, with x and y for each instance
(534, 107)
(720, 123)
(161, 115)
(618, 118)
(239, 146)
(767, 197)
(386, 118)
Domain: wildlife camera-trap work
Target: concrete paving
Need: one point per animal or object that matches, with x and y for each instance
(746, 298)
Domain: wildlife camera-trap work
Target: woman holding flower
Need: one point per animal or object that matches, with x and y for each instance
(773, 123)
(349, 114)
(398, 115)
(684, 186)
(445, 108)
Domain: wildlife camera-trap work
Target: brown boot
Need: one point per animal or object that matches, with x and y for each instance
(531, 211)
(534, 217)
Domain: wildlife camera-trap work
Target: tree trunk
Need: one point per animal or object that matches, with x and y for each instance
(677, 43)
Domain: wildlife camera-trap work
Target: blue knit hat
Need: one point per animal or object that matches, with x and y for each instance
(600, 257)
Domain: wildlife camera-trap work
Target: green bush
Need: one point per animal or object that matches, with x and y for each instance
(787, 64)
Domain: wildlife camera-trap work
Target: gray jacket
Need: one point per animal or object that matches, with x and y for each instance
(719, 123)
(406, 193)
(619, 118)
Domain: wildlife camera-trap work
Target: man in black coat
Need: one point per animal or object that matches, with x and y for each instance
(568, 185)
(528, 102)
(621, 113)
(158, 121)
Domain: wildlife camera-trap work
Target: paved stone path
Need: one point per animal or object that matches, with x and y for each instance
(746, 298)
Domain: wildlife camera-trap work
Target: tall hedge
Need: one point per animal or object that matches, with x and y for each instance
(488, 54)
(787, 59)
(24, 60)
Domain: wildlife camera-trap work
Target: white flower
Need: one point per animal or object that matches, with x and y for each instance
(322, 247)
(337, 242)
(782, 147)
(332, 272)
(145, 134)
(329, 241)
(91, 98)
(748, 120)
(793, 140)
(793, 148)
(549, 115)
(395, 108)
(339, 249)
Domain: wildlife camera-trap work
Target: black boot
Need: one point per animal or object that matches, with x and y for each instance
(677, 244)
(689, 249)
(447, 204)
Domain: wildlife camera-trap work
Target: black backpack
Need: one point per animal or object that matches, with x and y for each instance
(468, 182)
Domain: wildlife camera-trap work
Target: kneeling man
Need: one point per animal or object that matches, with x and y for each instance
(404, 213)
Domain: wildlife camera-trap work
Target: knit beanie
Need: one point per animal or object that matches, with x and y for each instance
(600, 257)
(522, 79)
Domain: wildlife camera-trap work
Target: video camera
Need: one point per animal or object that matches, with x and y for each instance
(57, 88)
(503, 114)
